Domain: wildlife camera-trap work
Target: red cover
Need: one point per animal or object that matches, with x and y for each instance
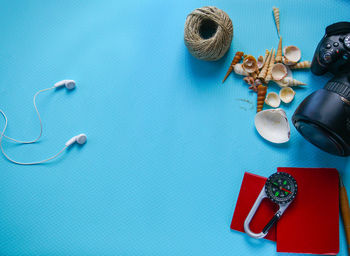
(311, 222)
(250, 189)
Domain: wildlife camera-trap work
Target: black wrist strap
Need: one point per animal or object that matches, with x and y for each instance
(338, 28)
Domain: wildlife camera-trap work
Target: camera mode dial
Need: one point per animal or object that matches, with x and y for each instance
(347, 42)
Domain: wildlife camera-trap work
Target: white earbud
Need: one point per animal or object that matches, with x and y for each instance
(69, 84)
(80, 139)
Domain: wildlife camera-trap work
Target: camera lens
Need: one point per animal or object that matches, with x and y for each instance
(320, 137)
(323, 118)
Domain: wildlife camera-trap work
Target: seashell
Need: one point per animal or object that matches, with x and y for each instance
(236, 59)
(269, 70)
(279, 51)
(263, 71)
(287, 62)
(254, 74)
(258, 82)
(279, 71)
(239, 70)
(253, 87)
(272, 99)
(289, 72)
(261, 61)
(273, 125)
(300, 65)
(287, 94)
(267, 53)
(292, 54)
(249, 80)
(261, 97)
(288, 81)
(284, 81)
(276, 14)
(250, 64)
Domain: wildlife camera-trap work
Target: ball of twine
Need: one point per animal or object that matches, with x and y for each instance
(208, 33)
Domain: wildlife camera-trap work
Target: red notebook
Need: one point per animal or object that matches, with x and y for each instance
(311, 222)
(250, 189)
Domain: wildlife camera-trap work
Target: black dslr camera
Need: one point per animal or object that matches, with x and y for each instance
(323, 118)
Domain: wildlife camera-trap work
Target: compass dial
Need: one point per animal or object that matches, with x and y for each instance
(281, 188)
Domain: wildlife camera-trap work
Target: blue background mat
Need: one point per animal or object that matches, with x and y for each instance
(167, 142)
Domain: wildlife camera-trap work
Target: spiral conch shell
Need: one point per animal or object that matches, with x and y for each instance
(263, 71)
(300, 65)
(276, 14)
(272, 99)
(288, 81)
(279, 51)
(250, 64)
(286, 94)
(239, 70)
(271, 65)
(236, 59)
(261, 97)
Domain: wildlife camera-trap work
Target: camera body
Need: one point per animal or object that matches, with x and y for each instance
(323, 118)
(333, 52)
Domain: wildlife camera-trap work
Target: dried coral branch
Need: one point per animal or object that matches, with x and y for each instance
(249, 80)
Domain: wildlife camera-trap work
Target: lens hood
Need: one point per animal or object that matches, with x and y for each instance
(323, 118)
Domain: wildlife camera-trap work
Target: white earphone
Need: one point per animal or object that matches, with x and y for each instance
(69, 84)
(80, 139)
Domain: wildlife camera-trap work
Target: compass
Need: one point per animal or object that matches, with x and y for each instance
(281, 188)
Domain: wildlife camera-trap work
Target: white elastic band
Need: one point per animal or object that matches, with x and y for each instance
(21, 163)
(37, 112)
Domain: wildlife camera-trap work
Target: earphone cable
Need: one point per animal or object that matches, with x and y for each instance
(37, 112)
(21, 163)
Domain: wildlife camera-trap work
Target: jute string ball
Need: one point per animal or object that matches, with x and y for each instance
(208, 33)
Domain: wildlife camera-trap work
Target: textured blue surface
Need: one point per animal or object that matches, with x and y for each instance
(167, 142)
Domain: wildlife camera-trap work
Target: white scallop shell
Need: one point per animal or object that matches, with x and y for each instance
(287, 94)
(284, 81)
(239, 70)
(273, 125)
(292, 53)
(272, 99)
(279, 71)
(261, 61)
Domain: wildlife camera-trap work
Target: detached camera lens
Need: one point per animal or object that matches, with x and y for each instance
(323, 118)
(320, 137)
